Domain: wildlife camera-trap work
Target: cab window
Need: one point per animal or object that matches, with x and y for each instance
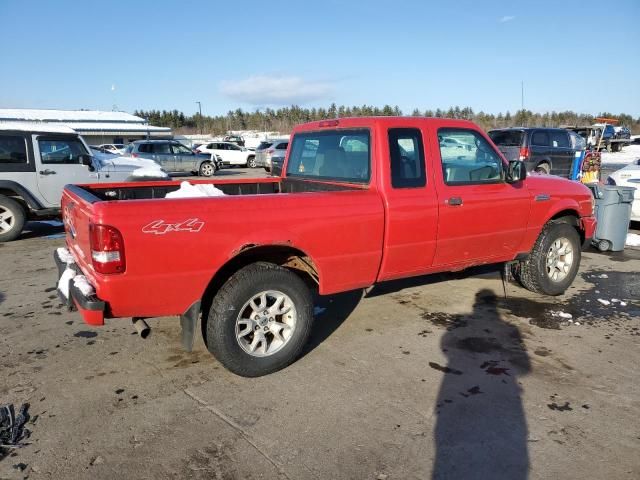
(467, 158)
(58, 150)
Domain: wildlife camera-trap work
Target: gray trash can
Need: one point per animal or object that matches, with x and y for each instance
(613, 214)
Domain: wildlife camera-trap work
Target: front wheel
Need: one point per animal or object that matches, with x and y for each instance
(260, 320)
(207, 169)
(251, 162)
(554, 261)
(12, 219)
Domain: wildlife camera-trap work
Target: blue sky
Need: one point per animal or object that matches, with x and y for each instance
(251, 54)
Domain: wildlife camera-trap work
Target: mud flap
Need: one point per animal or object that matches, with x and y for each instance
(188, 322)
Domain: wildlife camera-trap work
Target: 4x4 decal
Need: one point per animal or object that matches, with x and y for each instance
(159, 227)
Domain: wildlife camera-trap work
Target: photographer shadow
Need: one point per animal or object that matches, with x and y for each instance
(481, 428)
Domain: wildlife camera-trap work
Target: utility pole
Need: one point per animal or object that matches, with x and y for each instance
(200, 119)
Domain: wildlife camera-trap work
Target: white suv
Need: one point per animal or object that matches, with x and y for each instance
(37, 161)
(230, 153)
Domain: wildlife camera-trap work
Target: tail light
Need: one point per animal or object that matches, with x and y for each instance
(134, 155)
(270, 152)
(524, 153)
(107, 249)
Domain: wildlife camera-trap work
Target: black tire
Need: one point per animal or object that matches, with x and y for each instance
(220, 330)
(251, 162)
(13, 215)
(207, 169)
(543, 168)
(532, 272)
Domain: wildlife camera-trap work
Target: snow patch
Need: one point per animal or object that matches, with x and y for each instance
(65, 255)
(633, 240)
(628, 154)
(604, 302)
(149, 172)
(63, 283)
(561, 315)
(81, 283)
(187, 190)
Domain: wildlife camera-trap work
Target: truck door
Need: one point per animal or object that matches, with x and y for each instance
(411, 206)
(481, 217)
(58, 163)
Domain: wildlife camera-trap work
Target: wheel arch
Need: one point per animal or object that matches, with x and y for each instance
(286, 256)
(17, 192)
(570, 217)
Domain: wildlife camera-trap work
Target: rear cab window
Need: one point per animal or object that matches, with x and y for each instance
(406, 153)
(339, 155)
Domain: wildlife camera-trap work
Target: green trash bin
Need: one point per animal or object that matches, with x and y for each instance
(613, 215)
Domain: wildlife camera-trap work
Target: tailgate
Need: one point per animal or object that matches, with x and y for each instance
(76, 208)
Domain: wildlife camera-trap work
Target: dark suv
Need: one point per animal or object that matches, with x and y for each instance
(543, 150)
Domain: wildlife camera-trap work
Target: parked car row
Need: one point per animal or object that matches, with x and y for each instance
(270, 151)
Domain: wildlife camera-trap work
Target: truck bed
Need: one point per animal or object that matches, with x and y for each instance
(158, 190)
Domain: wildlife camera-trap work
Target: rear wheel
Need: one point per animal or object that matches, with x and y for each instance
(12, 219)
(251, 162)
(554, 261)
(260, 320)
(207, 169)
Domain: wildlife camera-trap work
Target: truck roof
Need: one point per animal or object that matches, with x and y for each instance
(351, 122)
(36, 127)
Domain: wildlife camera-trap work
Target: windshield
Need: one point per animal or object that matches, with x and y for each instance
(341, 155)
(507, 138)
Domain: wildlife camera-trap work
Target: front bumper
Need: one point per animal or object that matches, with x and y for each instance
(90, 307)
(588, 225)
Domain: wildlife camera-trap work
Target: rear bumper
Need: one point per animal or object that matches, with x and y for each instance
(90, 307)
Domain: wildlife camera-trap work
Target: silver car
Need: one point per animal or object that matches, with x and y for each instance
(173, 156)
(269, 149)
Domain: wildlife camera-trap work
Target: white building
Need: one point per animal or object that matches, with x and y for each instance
(95, 126)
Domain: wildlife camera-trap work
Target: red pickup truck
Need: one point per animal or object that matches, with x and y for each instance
(360, 201)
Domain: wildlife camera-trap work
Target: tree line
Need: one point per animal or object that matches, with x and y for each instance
(285, 118)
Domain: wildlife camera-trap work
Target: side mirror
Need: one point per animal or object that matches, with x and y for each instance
(86, 160)
(516, 171)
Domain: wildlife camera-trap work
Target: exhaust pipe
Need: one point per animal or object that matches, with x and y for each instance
(141, 327)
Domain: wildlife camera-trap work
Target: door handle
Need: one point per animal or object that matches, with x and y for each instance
(47, 172)
(455, 201)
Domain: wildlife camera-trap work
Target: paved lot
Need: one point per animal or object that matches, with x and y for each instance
(438, 377)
